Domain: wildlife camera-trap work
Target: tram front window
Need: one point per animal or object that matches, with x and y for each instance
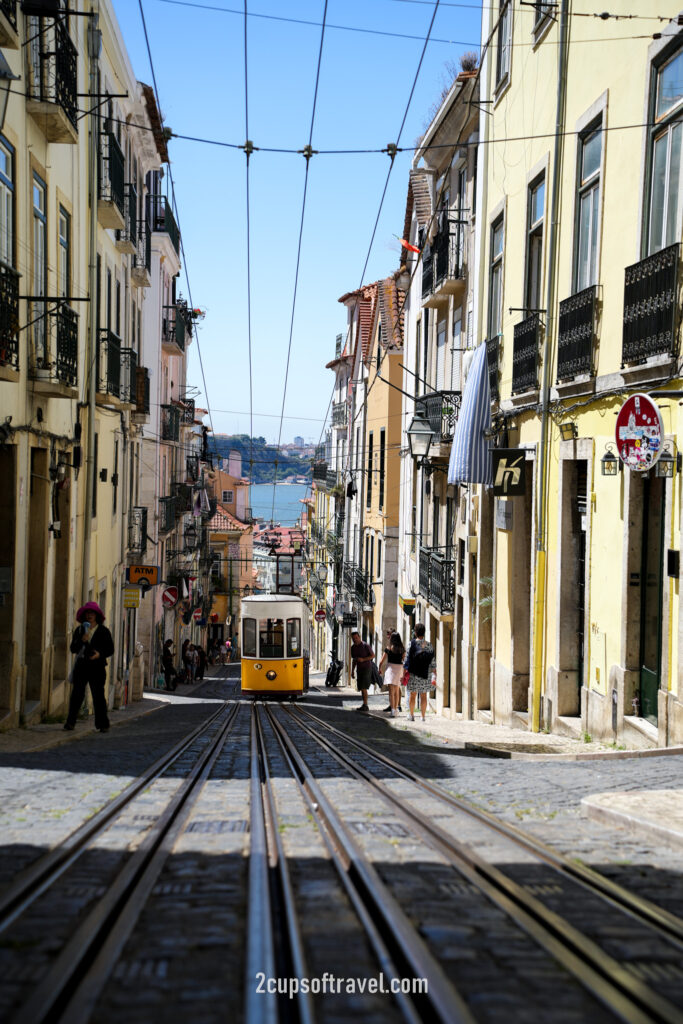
(249, 638)
(293, 638)
(271, 638)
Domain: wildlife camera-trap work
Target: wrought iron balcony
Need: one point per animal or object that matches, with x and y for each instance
(137, 530)
(8, 24)
(127, 237)
(427, 271)
(331, 479)
(437, 580)
(340, 414)
(162, 219)
(129, 379)
(651, 307)
(52, 83)
(170, 423)
(54, 351)
(176, 326)
(317, 533)
(9, 317)
(182, 492)
(440, 409)
(187, 411)
(493, 361)
(444, 276)
(166, 514)
(9, 9)
(576, 334)
(111, 200)
(334, 544)
(108, 363)
(141, 391)
(140, 270)
(320, 472)
(192, 468)
(525, 354)
(357, 584)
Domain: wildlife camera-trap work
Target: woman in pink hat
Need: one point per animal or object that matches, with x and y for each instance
(92, 644)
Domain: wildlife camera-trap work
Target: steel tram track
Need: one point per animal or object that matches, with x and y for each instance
(72, 983)
(618, 989)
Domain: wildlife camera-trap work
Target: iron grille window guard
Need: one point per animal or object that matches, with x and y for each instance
(162, 219)
(650, 307)
(65, 328)
(339, 414)
(440, 409)
(53, 63)
(129, 233)
(108, 363)
(142, 260)
(182, 492)
(9, 9)
(447, 258)
(9, 317)
(192, 468)
(492, 359)
(437, 579)
(166, 515)
(187, 410)
(170, 423)
(576, 333)
(112, 172)
(137, 530)
(142, 390)
(525, 354)
(129, 366)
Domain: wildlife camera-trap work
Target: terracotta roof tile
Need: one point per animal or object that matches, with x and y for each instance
(391, 312)
(222, 521)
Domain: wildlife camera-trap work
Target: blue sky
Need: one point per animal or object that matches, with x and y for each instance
(365, 82)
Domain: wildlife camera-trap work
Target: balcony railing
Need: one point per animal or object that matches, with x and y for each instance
(137, 530)
(129, 366)
(52, 72)
(576, 333)
(357, 584)
(493, 359)
(166, 514)
(192, 468)
(142, 390)
(54, 353)
(339, 414)
(162, 219)
(65, 329)
(127, 237)
(331, 479)
(447, 256)
(112, 189)
(182, 492)
(9, 9)
(108, 363)
(187, 410)
(320, 472)
(440, 409)
(427, 271)
(170, 423)
(333, 543)
(525, 354)
(142, 258)
(437, 579)
(9, 317)
(650, 307)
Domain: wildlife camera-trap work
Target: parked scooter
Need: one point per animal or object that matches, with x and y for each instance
(334, 672)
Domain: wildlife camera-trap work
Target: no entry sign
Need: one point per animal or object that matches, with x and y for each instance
(169, 598)
(320, 615)
(197, 614)
(639, 433)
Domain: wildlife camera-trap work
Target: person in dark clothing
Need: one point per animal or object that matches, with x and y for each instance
(421, 664)
(168, 666)
(92, 643)
(362, 656)
(202, 661)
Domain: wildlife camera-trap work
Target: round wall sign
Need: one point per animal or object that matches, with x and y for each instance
(639, 433)
(320, 615)
(169, 597)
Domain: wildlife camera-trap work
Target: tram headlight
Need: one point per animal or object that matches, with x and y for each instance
(258, 666)
(271, 675)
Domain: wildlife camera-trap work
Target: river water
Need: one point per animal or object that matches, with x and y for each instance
(287, 502)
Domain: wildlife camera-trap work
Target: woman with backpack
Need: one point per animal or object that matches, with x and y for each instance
(421, 666)
(391, 667)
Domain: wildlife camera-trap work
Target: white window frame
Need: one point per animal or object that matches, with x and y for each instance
(588, 190)
(228, 497)
(504, 43)
(7, 203)
(534, 242)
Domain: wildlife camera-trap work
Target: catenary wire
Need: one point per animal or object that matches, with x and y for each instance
(248, 215)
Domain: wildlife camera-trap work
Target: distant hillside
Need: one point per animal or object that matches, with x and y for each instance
(267, 460)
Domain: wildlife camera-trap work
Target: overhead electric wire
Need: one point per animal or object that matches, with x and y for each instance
(307, 155)
(247, 153)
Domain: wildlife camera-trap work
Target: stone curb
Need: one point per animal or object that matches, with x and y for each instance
(55, 736)
(646, 812)
(596, 755)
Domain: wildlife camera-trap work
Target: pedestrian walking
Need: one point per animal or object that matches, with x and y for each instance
(233, 649)
(184, 658)
(391, 667)
(92, 644)
(192, 662)
(168, 665)
(202, 661)
(362, 656)
(421, 666)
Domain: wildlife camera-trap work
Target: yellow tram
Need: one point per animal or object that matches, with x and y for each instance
(275, 628)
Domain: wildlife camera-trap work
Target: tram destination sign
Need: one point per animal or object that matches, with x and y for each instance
(639, 433)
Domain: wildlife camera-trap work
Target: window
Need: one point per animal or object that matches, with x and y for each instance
(379, 559)
(382, 448)
(228, 497)
(368, 493)
(6, 202)
(115, 479)
(293, 638)
(418, 338)
(588, 209)
(534, 248)
(543, 13)
(664, 201)
(40, 269)
(425, 353)
(440, 355)
(271, 638)
(249, 638)
(94, 478)
(64, 284)
(496, 279)
(504, 41)
(379, 347)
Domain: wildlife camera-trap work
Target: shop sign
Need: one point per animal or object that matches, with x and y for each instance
(639, 433)
(131, 597)
(350, 620)
(509, 472)
(144, 574)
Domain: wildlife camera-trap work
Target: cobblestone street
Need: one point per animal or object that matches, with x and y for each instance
(184, 955)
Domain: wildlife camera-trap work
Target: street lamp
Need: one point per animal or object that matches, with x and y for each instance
(668, 463)
(7, 76)
(610, 464)
(568, 430)
(420, 436)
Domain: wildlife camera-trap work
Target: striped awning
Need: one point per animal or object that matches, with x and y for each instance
(470, 460)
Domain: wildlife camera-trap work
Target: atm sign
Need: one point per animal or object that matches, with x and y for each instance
(148, 574)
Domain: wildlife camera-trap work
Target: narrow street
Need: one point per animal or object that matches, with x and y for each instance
(204, 858)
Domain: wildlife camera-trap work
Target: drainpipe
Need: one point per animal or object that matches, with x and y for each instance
(542, 511)
(94, 48)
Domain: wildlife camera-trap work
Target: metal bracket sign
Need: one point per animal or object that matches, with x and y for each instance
(639, 433)
(509, 472)
(350, 619)
(131, 597)
(145, 574)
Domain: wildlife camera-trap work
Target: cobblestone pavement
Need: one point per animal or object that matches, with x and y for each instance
(185, 959)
